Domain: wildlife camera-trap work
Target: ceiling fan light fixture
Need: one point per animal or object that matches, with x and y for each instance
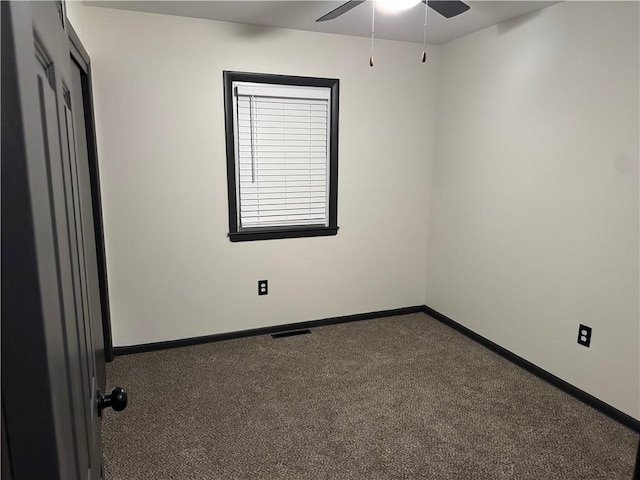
(395, 6)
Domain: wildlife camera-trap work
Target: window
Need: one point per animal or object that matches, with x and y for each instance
(282, 155)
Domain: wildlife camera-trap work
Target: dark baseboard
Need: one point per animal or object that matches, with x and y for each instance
(636, 474)
(581, 395)
(185, 342)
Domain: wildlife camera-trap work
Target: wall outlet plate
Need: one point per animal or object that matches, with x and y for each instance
(584, 335)
(263, 287)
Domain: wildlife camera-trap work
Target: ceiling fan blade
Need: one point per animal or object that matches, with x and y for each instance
(344, 8)
(447, 8)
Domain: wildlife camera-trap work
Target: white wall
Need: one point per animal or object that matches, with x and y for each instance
(534, 219)
(160, 125)
(534, 223)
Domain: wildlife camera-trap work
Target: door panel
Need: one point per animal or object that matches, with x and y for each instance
(59, 424)
(24, 337)
(66, 216)
(54, 163)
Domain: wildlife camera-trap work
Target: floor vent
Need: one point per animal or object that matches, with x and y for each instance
(291, 333)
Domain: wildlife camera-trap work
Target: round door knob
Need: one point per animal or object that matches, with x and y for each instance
(117, 400)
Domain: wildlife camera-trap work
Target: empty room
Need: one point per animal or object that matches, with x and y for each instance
(321, 240)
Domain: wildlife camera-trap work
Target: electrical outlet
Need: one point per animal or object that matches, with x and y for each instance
(263, 287)
(584, 335)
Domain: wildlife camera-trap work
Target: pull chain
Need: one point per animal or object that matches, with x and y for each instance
(424, 46)
(373, 29)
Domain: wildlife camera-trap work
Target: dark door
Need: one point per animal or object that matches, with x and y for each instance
(52, 339)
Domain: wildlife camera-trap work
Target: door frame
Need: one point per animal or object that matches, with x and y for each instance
(80, 56)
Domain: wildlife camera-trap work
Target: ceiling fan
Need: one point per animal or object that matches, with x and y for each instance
(446, 8)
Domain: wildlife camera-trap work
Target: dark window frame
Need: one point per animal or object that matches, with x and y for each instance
(268, 233)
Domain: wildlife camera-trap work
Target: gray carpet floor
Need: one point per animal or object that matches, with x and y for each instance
(399, 397)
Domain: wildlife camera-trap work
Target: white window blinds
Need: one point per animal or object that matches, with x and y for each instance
(282, 142)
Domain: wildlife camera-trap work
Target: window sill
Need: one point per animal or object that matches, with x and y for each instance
(272, 234)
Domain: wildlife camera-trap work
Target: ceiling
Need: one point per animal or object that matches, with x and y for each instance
(301, 15)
